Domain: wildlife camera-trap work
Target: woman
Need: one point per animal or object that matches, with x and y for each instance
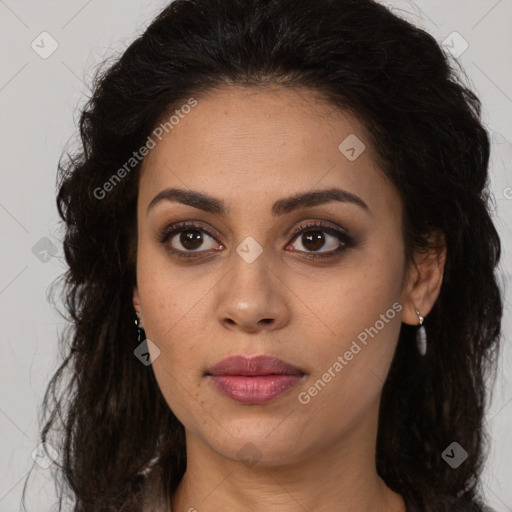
(289, 199)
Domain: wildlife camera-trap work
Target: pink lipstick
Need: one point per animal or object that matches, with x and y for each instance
(254, 380)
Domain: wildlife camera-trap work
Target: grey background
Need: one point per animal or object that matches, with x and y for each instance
(39, 101)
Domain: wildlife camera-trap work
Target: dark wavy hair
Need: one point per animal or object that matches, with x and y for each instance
(105, 409)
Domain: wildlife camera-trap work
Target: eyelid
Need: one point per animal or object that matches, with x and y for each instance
(323, 225)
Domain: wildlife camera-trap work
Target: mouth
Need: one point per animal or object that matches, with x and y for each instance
(253, 366)
(254, 380)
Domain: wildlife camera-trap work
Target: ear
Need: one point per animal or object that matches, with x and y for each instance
(136, 303)
(136, 299)
(425, 279)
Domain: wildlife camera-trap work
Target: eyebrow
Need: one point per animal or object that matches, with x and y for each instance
(283, 206)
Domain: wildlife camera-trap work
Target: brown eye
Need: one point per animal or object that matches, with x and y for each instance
(316, 236)
(191, 239)
(188, 240)
(313, 241)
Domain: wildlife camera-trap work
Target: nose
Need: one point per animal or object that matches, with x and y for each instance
(252, 297)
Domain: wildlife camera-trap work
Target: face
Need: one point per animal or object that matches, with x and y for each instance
(316, 284)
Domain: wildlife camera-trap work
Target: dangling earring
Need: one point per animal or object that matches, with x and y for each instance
(140, 330)
(421, 336)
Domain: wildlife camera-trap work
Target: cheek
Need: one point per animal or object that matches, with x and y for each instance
(363, 313)
(358, 297)
(351, 372)
(180, 365)
(176, 324)
(174, 299)
(174, 319)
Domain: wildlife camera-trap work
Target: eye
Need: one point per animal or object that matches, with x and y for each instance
(187, 239)
(312, 238)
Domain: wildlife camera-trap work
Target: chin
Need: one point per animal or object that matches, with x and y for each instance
(254, 446)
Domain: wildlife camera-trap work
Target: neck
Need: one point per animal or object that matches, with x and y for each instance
(340, 477)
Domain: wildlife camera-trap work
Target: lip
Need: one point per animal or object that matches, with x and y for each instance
(254, 380)
(255, 365)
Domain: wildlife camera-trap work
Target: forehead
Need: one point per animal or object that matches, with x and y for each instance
(236, 121)
(262, 142)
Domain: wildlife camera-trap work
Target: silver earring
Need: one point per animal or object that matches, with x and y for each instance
(421, 336)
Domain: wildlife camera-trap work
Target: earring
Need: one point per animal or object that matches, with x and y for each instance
(421, 336)
(140, 335)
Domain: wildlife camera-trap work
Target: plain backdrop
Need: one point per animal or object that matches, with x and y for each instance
(48, 53)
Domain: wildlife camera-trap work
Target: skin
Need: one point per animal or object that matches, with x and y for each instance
(249, 148)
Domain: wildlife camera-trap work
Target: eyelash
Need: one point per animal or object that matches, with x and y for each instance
(342, 235)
